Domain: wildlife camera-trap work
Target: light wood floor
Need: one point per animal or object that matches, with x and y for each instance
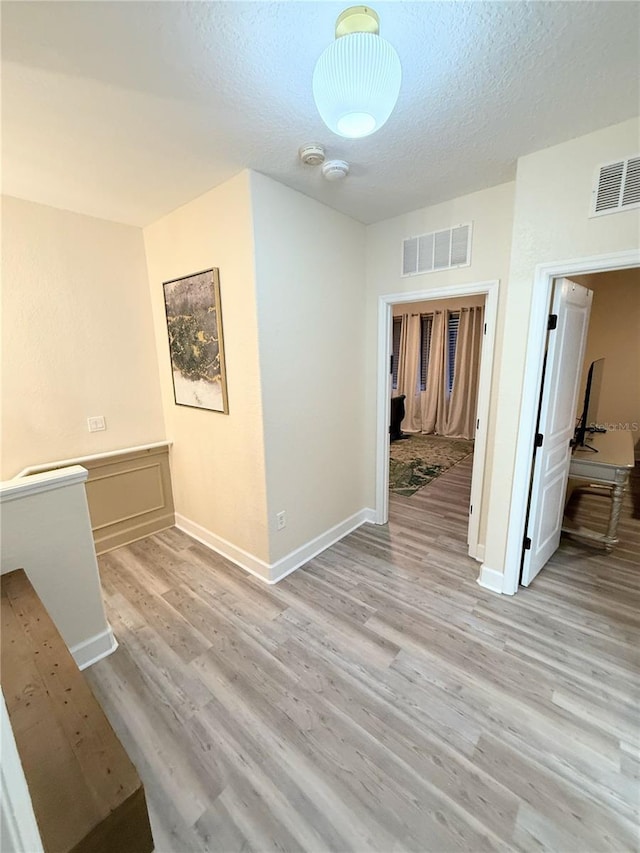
(379, 699)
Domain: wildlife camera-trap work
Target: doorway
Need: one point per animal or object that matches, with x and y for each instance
(385, 317)
(544, 279)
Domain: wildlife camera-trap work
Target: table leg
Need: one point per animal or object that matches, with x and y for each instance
(617, 493)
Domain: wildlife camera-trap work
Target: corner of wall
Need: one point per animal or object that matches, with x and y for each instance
(217, 460)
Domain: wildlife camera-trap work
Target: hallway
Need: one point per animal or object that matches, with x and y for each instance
(378, 699)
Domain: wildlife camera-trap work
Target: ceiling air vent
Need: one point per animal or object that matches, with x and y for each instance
(436, 251)
(617, 187)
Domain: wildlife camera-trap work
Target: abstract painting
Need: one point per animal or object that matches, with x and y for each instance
(194, 324)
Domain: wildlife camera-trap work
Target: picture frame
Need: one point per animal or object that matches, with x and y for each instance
(196, 346)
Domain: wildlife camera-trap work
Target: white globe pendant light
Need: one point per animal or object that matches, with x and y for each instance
(356, 80)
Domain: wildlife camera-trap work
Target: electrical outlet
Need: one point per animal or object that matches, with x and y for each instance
(96, 424)
(281, 518)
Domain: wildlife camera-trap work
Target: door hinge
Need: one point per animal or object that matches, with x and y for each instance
(471, 510)
(553, 322)
(539, 439)
(391, 365)
(478, 424)
(485, 328)
(527, 543)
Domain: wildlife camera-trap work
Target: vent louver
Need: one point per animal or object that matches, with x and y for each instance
(410, 256)
(617, 187)
(436, 251)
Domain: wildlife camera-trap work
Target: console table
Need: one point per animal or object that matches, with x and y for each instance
(605, 473)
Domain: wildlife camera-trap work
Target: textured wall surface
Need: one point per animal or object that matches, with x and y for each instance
(310, 284)
(551, 224)
(491, 212)
(614, 334)
(77, 337)
(217, 460)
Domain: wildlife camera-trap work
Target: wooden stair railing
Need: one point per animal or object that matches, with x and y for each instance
(86, 794)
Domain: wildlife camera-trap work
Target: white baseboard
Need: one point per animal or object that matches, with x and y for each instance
(477, 553)
(246, 561)
(491, 579)
(271, 573)
(94, 649)
(283, 567)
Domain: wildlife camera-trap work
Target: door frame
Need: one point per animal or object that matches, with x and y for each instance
(544, 277)
(490, 290)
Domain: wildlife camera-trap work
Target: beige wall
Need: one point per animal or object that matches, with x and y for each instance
(129, 497)
(311, 294)
(614, 334)
(217, 460)
(551, 224)
(77, 337)
(301, 363)
(491, 212)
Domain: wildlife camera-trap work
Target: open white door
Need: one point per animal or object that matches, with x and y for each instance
(569, 321)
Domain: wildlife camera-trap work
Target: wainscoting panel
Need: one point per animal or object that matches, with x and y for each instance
(129, 497)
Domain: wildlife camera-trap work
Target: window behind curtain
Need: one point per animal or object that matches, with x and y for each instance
(426, 324)
(452, 340)
(397, 329)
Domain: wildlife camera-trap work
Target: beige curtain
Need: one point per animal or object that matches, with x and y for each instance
(433, 401)
(403, 352)
(434, 410)
(410, 360)
(461, 414)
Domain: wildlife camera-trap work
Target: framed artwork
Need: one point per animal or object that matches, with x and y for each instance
(194, 325)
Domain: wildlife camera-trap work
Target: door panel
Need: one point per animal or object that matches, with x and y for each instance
(559, 395)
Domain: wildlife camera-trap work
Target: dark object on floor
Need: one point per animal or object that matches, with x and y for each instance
(397, 416)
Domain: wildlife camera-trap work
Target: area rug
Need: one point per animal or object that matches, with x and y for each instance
(418, 460)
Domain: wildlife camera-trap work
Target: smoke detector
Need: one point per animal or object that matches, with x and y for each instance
(311, 154)
(335, 170)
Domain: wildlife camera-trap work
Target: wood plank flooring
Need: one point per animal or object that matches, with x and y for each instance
(379, 699)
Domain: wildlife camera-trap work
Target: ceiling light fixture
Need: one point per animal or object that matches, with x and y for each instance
(356, 80)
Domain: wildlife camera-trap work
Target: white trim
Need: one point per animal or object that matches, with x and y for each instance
(283, 567)
(271, 573)
(383, 416)
(488, 288)
(542, 285)
(78, 460)
(484, 402)
(479, 553)
(491, 579)
(246, 561)
(18, 826)
(12, 490)
(94, 649)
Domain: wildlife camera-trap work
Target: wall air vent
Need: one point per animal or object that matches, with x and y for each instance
(617, 187)
(439, 250)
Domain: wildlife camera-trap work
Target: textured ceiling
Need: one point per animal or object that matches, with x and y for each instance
(126, 110)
